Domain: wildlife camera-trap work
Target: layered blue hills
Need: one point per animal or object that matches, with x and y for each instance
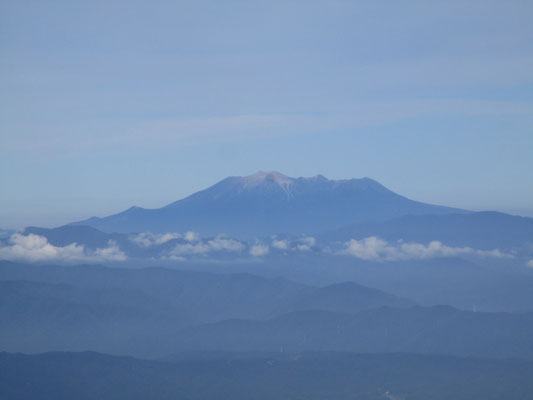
(268, 203)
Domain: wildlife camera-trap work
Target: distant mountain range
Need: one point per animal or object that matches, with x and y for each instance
(105, 309)
(269, 203)
(154, 312)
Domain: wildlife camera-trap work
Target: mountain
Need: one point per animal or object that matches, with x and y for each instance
(269, 203)
(316, 376)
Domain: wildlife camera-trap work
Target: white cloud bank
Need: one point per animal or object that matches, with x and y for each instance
(148, 239)
(259, 250)
(306, 243)
(376, 249)
(280, 244)
(530, 263)
(303, 244)
(37, 248)
(216, 244)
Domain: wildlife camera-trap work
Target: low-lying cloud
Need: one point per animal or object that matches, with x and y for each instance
(280, 244)
(302, 244)
(213, 245)
(149, 239)
(37, 248)
(376, 249)
(258, 250)
(306, 244)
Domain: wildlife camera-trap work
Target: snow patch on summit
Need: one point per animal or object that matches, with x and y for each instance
(260, 177)
(272, 176)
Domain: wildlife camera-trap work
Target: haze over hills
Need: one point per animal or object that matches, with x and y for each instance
(267, 203)
(154, 312)
(46, 308)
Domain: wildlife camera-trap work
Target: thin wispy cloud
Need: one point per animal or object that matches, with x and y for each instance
(181, 132)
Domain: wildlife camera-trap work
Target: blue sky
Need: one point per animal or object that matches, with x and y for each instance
(109, 104)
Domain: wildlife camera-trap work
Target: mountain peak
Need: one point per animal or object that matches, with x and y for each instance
(267, 176)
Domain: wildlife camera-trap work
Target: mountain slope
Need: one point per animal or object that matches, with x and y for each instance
(268, 203)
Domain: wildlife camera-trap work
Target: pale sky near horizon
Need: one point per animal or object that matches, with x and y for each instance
(109, 104)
